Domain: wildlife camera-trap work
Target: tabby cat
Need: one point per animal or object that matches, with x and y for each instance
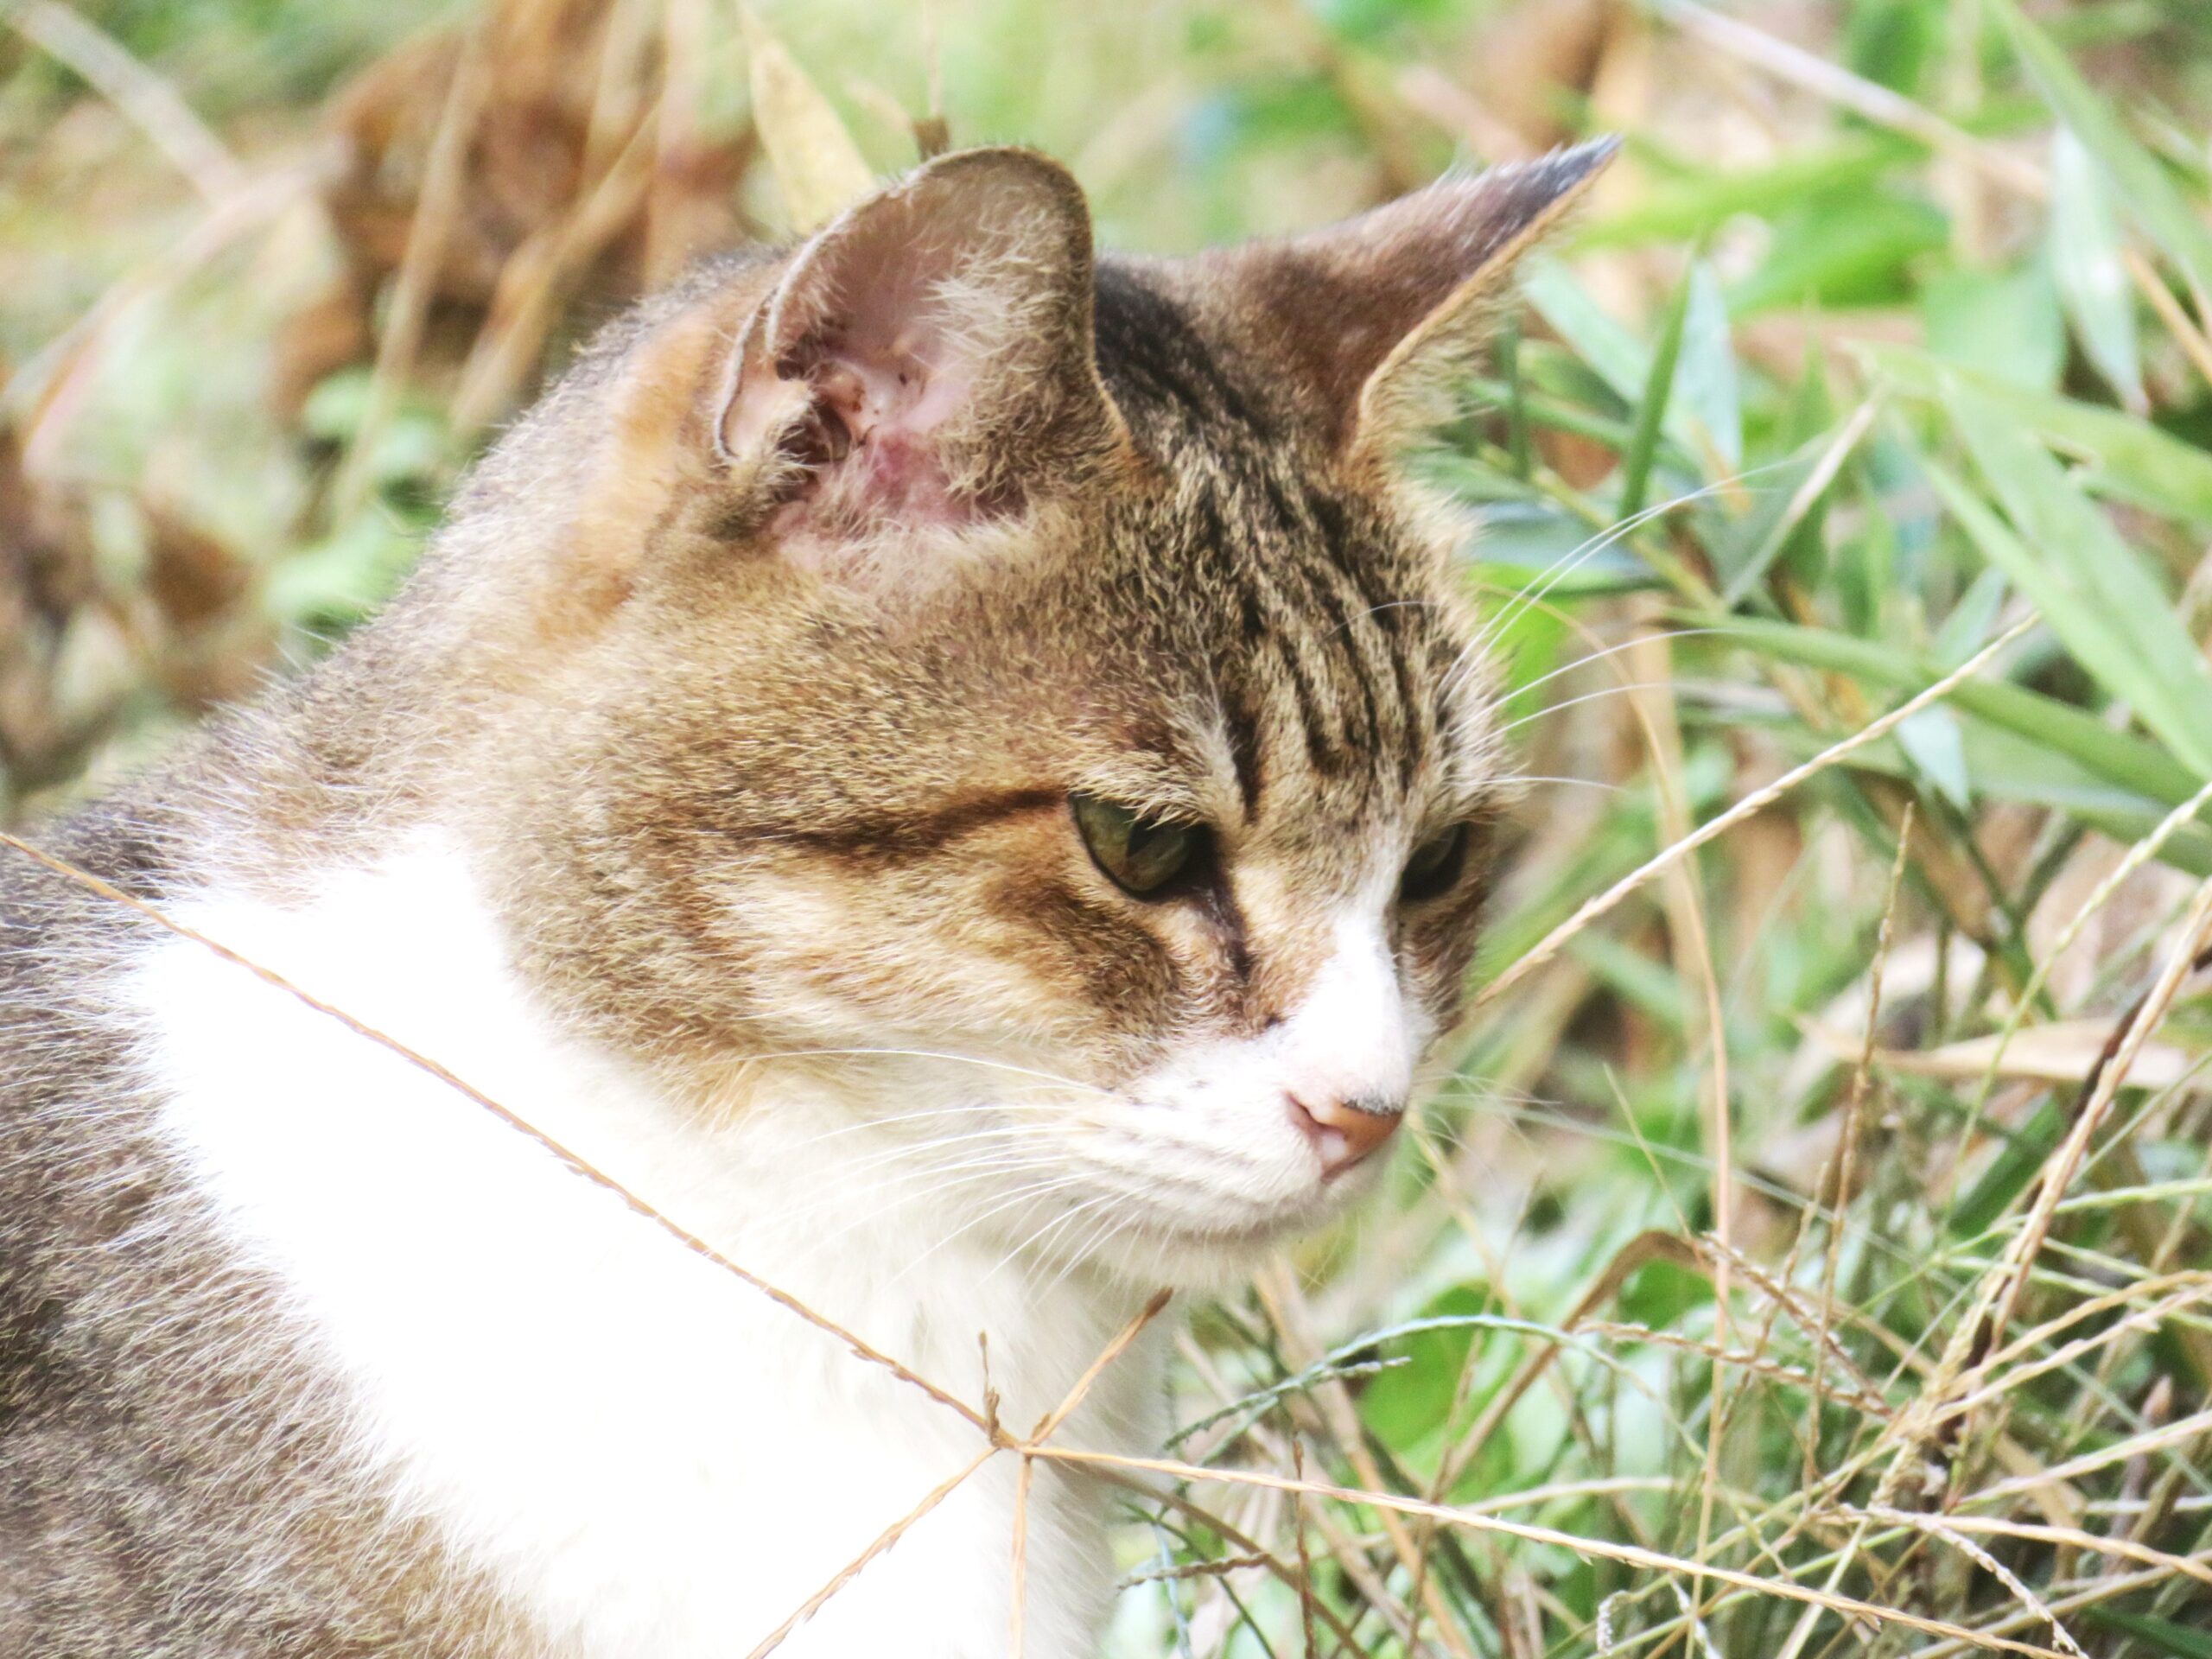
(956, 771)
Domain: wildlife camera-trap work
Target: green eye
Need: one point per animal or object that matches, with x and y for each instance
(1435, 865)
(1140, 856)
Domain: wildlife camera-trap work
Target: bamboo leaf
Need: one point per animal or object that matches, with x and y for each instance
(2174, 1641)
(1628, 368)
(2074, 615)
(1651, 412)
(1618, 356)
(1685, 209)
(2139, 768)
(1706, 385)
(2009, 325)
(2092, 276)
(1933, 741)
(2130, 458)
(1793, 496)
(2157, 203)
(2091, 587)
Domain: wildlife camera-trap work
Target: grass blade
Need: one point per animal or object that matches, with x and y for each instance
(2158, 205)
(2090, 585)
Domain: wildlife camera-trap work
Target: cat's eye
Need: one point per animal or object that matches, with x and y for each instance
(1144, 858)
(1435, 867)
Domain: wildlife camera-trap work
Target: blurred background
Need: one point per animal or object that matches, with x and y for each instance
(1887, 340)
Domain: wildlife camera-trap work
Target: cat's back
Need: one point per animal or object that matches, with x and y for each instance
(75, 1168)
(81, 1192)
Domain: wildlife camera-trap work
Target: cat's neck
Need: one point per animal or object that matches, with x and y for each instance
(779, 1173)
(484, 1302)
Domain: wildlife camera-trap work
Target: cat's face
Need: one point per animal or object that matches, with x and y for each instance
(1079, 776)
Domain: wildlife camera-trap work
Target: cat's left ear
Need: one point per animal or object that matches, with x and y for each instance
(928, 358)
(1376, 323)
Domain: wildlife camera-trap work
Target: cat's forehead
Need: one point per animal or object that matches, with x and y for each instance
(1323, 651)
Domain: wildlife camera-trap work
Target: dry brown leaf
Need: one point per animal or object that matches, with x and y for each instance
(552, 225)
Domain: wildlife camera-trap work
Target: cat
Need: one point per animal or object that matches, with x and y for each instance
(956, 770)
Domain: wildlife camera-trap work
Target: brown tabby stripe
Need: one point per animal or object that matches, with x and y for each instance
(905, 835)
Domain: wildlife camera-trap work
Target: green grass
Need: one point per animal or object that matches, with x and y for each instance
(1901, 360)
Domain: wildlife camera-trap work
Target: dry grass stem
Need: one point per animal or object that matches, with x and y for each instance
(407, 310)
(883, 1539)
(1757, 801)
(1600, 1549)
(148, 99)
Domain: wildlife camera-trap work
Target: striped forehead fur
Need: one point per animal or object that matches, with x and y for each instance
(1326, 604)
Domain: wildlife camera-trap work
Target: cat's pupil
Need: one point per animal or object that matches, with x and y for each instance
(1435, 865)
(1140, 856)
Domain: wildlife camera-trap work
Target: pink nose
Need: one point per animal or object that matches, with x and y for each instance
(1344, 1132)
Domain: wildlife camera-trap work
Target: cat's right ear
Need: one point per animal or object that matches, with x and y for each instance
(925, 361)
(1370, 326)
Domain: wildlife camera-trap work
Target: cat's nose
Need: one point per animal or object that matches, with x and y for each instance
(1344, 1132)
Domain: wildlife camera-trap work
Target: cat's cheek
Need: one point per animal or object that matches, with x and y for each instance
(1438, 951)
(1238, 1142)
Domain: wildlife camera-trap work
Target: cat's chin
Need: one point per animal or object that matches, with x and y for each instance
(1206, 1264)
(1211, 1259)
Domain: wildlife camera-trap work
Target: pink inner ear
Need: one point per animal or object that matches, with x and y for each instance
(926, 361)
(887, 378)
(891, 397)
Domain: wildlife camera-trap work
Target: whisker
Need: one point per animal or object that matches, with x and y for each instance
(1377, 610)
(1022, 1250)
(997, 1103)
(1563, 566)
(944, 1142)
(1579, 782)
(1588, 657)
(1026, 1195)
(1587, 696)
(869, 1200)
(1109, 1228)
(935, 1054)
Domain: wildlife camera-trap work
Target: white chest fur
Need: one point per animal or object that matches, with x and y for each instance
(652, 1457)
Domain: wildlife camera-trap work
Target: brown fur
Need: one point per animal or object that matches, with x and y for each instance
(669, 669)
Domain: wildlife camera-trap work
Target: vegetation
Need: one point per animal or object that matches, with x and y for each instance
(1807, 1253)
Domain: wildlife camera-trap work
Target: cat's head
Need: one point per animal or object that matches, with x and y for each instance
(1018, 700)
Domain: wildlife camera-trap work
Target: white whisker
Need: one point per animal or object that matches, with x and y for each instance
(1588, 657)
(1587, 696)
